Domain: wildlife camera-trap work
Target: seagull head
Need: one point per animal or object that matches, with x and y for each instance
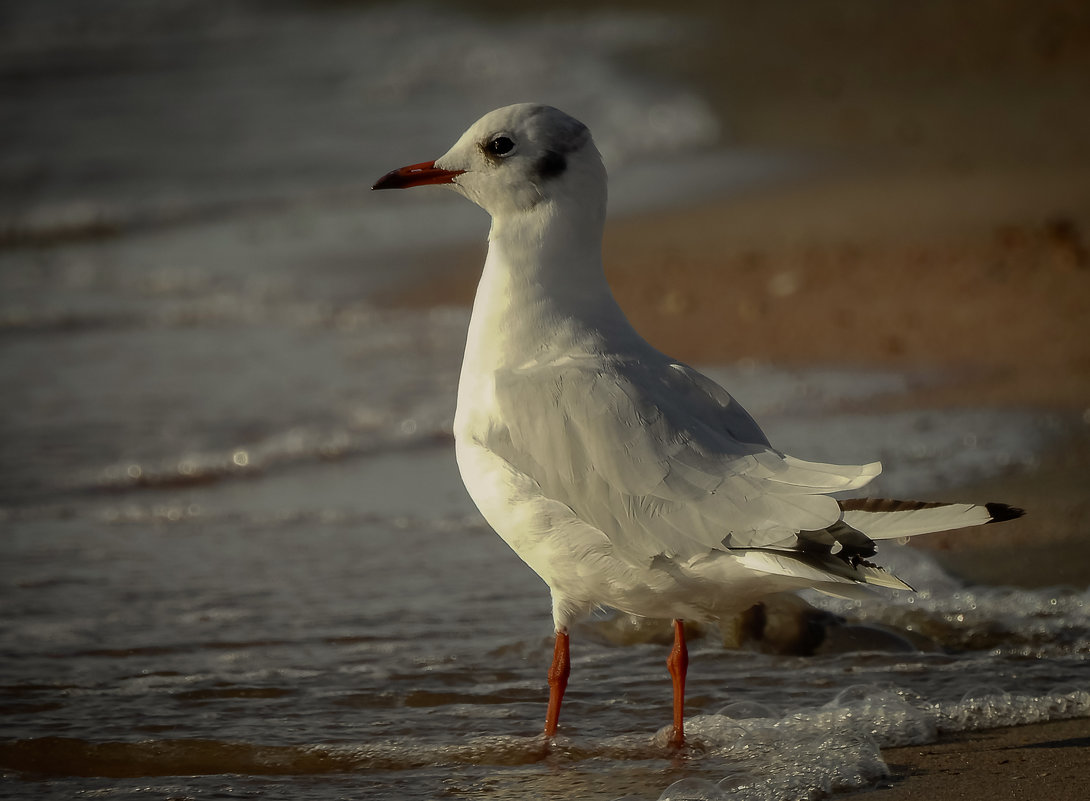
(514, 160)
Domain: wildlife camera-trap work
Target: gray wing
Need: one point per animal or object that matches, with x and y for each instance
(660, 459)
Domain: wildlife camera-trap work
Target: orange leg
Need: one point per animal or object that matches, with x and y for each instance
(678, 665)
(558, 681)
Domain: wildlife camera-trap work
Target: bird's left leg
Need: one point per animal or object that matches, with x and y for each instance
(678, 665)
(558, 681)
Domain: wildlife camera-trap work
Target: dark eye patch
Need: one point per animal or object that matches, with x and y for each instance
(500, 146)
(551, 164)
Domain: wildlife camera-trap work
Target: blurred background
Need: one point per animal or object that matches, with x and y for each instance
(228, 370)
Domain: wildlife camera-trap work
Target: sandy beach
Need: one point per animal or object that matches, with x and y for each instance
(1047, 760)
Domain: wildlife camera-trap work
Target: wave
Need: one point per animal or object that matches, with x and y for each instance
(833, 747)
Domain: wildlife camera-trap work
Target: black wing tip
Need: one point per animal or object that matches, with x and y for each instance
(1001, 512)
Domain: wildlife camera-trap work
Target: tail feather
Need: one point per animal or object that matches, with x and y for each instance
(884, 519)
(823, 570)
(1001, 512)
(835, 560)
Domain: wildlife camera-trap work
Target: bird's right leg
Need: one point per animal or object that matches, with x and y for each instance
(678, 665)
(558, 681)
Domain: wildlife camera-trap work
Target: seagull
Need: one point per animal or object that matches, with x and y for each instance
(626, 479)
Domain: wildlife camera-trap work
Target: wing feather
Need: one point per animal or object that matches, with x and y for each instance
(662, 461)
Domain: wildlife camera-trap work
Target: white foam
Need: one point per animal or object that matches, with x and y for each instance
(837, 747)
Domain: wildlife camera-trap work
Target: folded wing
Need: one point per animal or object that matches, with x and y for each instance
(663, 461)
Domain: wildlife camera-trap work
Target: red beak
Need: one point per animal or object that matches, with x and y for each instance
(416, 175)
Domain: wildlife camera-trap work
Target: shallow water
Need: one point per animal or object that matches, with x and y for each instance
(237, 557)
(262, 642)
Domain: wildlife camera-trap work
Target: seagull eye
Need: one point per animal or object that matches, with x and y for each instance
(500, 146)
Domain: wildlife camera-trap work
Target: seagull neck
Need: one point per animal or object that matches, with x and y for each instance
(550, 250)
(543, 289)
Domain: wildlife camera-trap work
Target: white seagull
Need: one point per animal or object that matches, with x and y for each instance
(623, 477)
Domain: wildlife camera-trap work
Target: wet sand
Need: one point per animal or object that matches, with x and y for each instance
(1046, 760)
